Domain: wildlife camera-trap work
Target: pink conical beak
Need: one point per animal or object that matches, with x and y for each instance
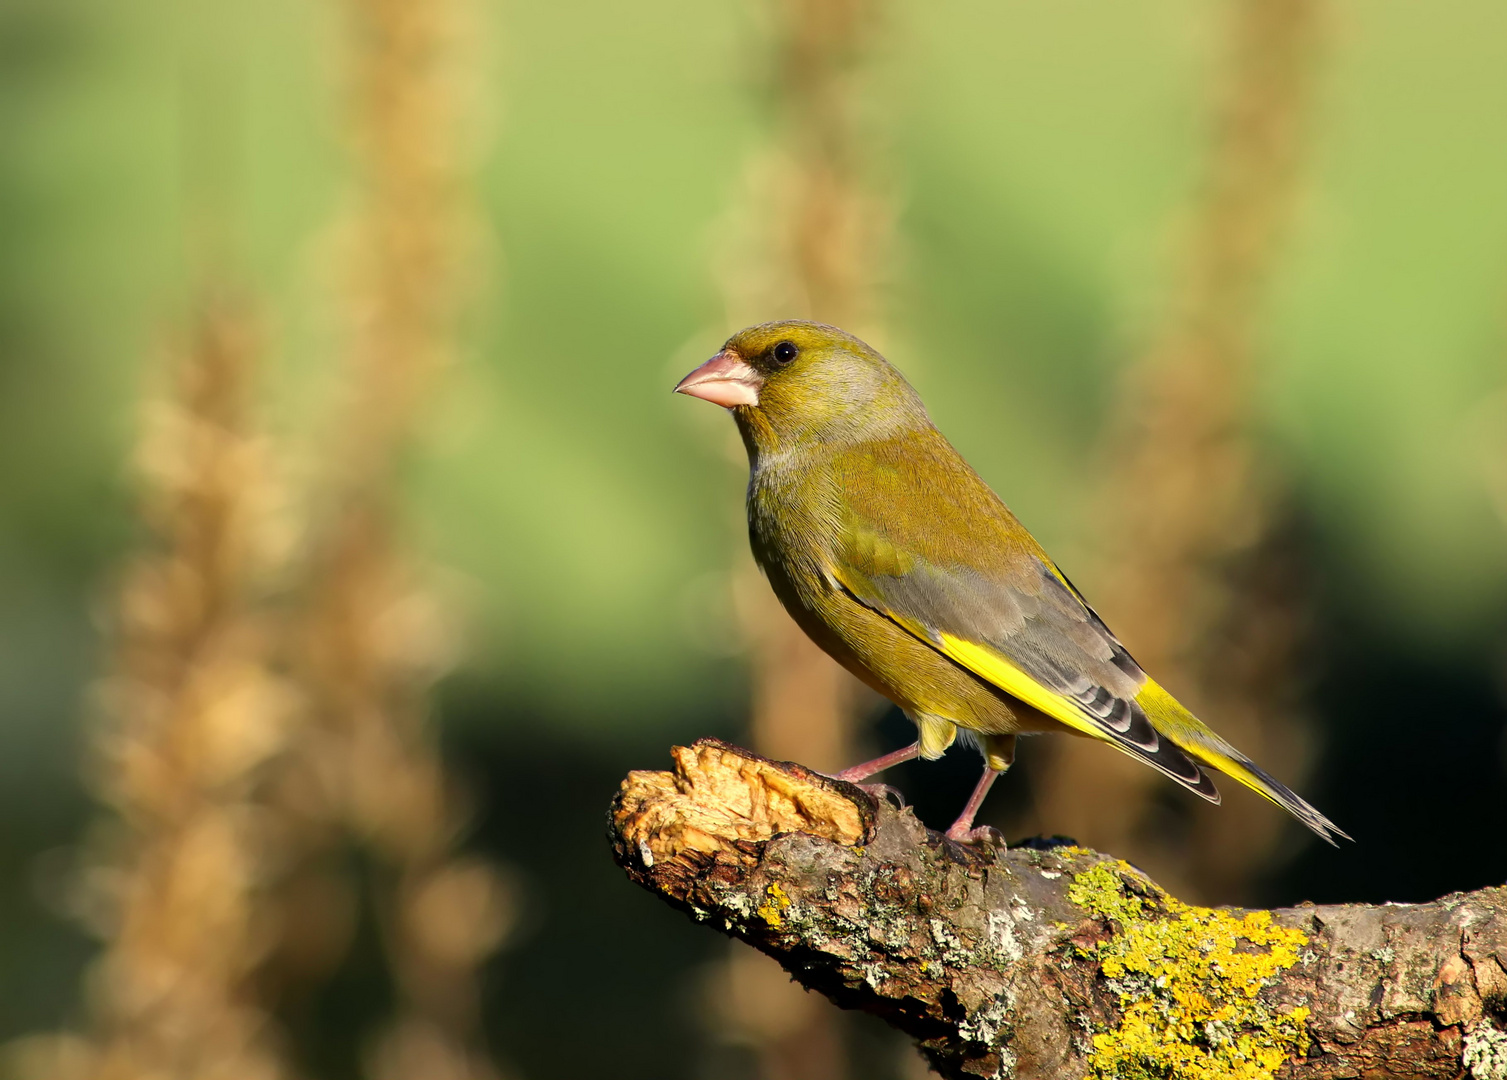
(723, 380)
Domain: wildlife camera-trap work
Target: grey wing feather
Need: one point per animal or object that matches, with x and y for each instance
(1043, 627)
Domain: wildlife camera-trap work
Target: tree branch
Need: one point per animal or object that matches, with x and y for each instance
(1056, 961)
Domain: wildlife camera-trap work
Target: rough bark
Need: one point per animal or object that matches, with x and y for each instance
(1050, 960)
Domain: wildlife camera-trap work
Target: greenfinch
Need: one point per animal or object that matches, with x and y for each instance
(901, 563)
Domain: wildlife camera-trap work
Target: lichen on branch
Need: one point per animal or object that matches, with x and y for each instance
(1189, 985)
(1050, 960)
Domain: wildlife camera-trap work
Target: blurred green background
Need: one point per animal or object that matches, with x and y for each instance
(1040, 157)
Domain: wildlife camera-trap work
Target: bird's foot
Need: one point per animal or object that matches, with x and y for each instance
(885, 791)
(985, 835)
(879, 791)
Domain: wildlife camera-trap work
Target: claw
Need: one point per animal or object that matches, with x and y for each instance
(879, 791)
(984, 834)
(885, 791)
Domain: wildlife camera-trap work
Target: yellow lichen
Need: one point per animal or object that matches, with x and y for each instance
(1188, 979)
(1100, 890)
(772, 910)
(1068, 851)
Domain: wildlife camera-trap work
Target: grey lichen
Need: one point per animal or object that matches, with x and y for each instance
(737, 903)
(873, 974)
(1485, 1056)
(983, 1024)
(951, 947)
(1003, 942)
(891, 933)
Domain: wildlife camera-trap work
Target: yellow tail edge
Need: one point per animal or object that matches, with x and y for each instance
(1172, 719)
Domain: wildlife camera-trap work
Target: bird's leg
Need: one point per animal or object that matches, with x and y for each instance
(962, 829)
(868, 768)
(999, 755)
(879, 764)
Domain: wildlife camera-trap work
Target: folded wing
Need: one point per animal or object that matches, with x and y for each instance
(995, 605)
(1039, 644)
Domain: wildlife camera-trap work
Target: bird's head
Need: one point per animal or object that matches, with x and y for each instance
(792, 384)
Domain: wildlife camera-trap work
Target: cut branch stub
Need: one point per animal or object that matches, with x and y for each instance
(1045, 961)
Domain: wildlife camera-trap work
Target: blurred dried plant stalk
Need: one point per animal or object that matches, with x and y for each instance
(1487, 431)
(375, 634)
(409, 245)
(191, 714)
(806, 240)
(810, 237)
(236, 788)
(1194, 576)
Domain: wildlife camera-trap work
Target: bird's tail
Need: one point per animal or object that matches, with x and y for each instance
(1171, 719)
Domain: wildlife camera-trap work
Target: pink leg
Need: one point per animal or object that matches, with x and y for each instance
(879, 764)
(962, 828)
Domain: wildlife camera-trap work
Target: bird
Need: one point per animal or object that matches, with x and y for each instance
(900, 562)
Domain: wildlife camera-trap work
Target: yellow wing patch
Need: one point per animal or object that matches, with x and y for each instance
(988, 664)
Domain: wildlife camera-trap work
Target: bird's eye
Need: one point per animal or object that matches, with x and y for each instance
(785, 352)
